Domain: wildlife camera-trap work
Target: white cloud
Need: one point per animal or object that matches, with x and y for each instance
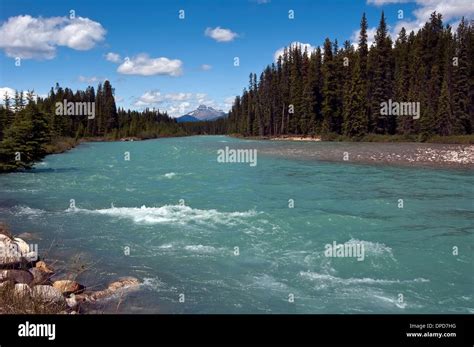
(220, 34)
(180, 109)
(201, 98)
(228, 102)
(178, 96)
(91, 79)
(150, 98)
(9, 91)
(155, 97)
(11, 94)
(452, 11)
(28, 37)
(206, 67)
(143, 65)
(113, 57)
(370, 37)
(175, 104)
(279, 52)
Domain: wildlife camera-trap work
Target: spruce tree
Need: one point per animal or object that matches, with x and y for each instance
(381, 80)
(461, 79)
(329, 91)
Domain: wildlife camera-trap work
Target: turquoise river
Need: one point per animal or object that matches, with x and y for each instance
(236, 238)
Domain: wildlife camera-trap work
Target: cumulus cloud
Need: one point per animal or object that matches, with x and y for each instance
(149, 98)
(28, 37)
(220, 34)
(279, 51)
(180, 109)
(178, 96)
(113, 57)
(143, 65)
(228, 102)
(370, 37)
(206, 67)
(201, 98)
(452, 11)
(178, 104)
(9, 91)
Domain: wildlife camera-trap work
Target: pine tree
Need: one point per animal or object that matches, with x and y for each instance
(355, 116)
(306, 112)
(444, 121)
(109, 109)
(330, 103)
(401, 80)
(381, 79)
(461, 80)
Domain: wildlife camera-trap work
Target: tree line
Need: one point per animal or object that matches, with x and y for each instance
(31, 126)
(339, 91)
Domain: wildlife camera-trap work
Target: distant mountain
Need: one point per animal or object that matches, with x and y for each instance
(186, 118)
(203, 113)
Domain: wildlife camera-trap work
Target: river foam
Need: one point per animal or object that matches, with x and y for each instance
(167, 214)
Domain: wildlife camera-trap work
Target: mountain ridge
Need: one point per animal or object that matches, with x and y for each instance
(202, 113)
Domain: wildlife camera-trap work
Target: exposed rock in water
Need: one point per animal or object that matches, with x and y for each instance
(43, 267)
(40, 276)
(68, 287)
(124, 282)
(36, 282)
(114, 288)
(28, 236)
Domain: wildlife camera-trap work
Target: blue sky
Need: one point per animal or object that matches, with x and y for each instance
(175, 64)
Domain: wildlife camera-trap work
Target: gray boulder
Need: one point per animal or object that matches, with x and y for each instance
(16, 276)
(48, 294)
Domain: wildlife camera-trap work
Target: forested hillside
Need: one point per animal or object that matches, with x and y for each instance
(31, 127)
(339, 90)
(330, 92)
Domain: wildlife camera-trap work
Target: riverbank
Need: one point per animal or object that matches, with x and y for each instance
(459, 139)
(64, 144)
(379, 152)
(30, 285)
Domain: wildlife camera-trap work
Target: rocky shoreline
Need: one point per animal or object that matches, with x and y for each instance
(30, 285)
(393, 153)
(296, 138)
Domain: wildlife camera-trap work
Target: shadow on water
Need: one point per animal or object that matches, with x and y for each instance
(51, 170)
(8, 203)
